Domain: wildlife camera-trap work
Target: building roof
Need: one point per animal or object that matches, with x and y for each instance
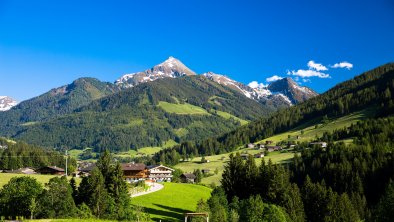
(189, 175)
(156, 166)
(88, 168)
(133, 166)
(55, 168)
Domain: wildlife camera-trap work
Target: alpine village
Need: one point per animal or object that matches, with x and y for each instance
(168, 143)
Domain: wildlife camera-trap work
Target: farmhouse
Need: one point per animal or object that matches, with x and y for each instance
(269, 142)
(273, 148)
(53, 170)
(160, 173)
(188, 178)
(134, 171)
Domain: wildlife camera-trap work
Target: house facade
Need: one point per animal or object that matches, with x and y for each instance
(188, 178)
(133, 172)
(160, 173)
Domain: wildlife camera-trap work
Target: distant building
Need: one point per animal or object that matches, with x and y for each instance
(188, 178)
(52, 170)
(205, 171)
(269, 142)
(250, 145)
(85, 170)
(259, 155)
(260, 146)
(273, 148)
(160, 173)
(244, 156)
(321, 144)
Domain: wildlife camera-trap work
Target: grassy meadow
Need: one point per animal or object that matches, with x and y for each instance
(172, 201)
(5, 177)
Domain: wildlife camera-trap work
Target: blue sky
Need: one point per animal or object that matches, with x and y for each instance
(46, 44)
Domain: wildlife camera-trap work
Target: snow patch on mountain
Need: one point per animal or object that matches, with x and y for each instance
(6, 103)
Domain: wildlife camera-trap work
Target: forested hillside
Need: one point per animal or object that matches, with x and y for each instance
(59, 101)
(373, 88)
(149, 114)
(15, 155)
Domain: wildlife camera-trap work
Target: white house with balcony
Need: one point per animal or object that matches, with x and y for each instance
(160, 173)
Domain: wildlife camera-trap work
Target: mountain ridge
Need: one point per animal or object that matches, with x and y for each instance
(6, 103)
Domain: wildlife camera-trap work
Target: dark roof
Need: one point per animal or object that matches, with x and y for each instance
(55, 168)
(189, 175)
(152, 166)
(133, 166)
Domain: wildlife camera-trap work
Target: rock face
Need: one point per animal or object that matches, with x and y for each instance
(171, 68)
(292, 90)
(6, 103)
(283, 92)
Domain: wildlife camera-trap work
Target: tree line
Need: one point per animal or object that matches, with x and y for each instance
(104, 195)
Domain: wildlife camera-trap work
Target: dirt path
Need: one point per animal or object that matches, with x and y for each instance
(155, 187)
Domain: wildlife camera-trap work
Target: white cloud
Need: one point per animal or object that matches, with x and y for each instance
(308, 73)
(255, 84)
(306, 80)
(346, 65)
(273, 78)
(316, 66)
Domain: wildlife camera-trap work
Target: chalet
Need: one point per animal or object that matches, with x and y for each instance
(320, 144)
(273, 148)
(134, 171)
(188, 178)
(53, 170)
(250, 145)
(26, 170)
(269, 142)
(160, 173)
(205, 171)
(259, 155)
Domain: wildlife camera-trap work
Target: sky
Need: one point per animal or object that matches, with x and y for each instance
(47, 44)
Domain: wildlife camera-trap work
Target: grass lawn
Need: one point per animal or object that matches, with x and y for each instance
(172, 201)
(182, 109)
(228, 116)
(219, 161)
(5, 177)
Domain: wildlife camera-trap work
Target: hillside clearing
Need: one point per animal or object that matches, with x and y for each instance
(182, 109)
(172, 201)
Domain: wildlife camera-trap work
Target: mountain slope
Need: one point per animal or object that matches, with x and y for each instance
(6, 103)
(171, 68)
(371, 89)
(281, 93)
(135, 117)
(56, 102)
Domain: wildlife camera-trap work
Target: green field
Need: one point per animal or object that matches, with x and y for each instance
(172, 201)
(182, 109)
(229, 116)
(71, 220)
(315, 127)
(5, 177)
(219, 161)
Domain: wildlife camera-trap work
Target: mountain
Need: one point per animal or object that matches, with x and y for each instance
(171, 68)
(283, 92)
(6, 103)
(150, 114)
(372, 89)
(58, 101)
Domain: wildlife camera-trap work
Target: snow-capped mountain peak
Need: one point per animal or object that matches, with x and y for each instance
(170, 68)
(7, 103)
